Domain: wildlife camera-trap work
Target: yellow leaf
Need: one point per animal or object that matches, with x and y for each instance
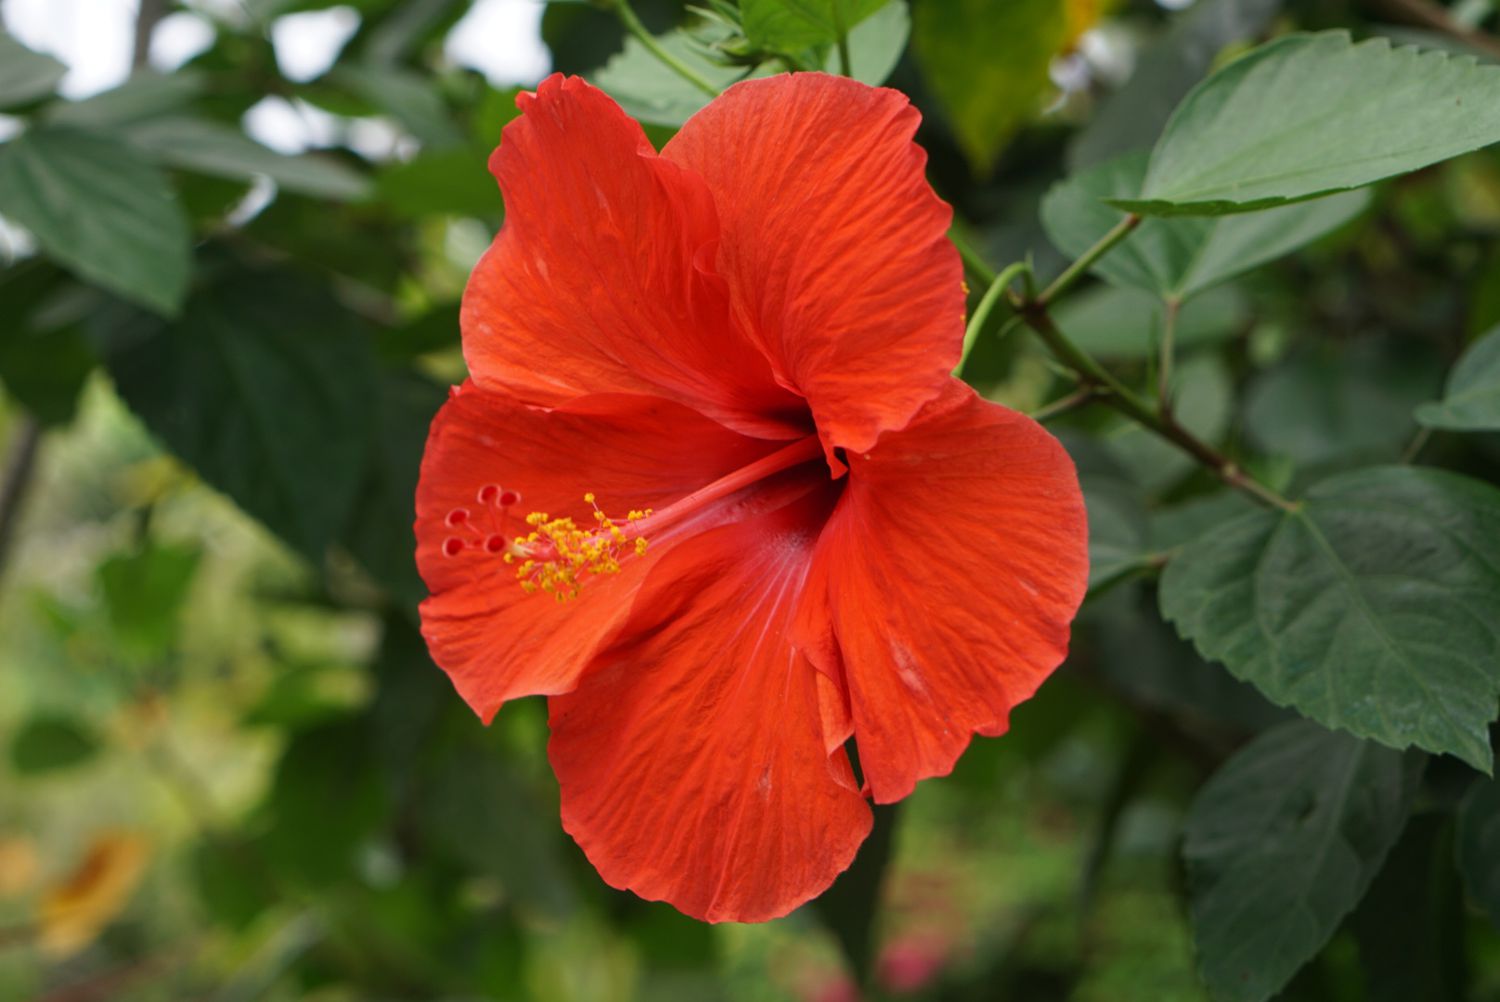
(73, 912)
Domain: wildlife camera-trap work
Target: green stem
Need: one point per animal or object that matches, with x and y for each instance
(635, 27)
(986, 306)
(977, 265)
(846, 65)
(1076, 270)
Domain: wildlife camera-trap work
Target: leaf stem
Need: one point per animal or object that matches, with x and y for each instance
(1168, 352)
(986, 306)
(977, 265)
(19, 472)
(1076, 270)
(633, 25)
(846, 65)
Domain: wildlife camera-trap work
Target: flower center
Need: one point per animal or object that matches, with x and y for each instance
(558, 554)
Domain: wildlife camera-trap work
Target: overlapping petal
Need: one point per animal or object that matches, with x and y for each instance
(691, 759)
(833, 244)
(954, 563)
(494, 640)
(601, 279)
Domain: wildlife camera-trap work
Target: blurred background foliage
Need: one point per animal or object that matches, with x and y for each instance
(230, 771)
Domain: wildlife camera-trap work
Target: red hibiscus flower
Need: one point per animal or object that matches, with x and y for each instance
(712, 488)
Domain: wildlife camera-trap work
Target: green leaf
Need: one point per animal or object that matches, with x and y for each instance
(796, 25)
(144, 96)
(1132, 117)
(26, 76)
(445, 182)
(144, 592)
(410, 98)
(210, 148)
(1471, 401)
(1307, 115)
(44, 358)
(1341, 404)
(875, 44)
(1370, 607)
(988, 66)
(653, 92)
(99, 209)
(265, 386)
(1202, 403)
(1125, 324)
(1478, 846)
(50, 742)
(1178, 257)
(1281, 844)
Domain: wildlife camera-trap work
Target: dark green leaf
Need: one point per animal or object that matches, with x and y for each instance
(1471, 401)
(144, 96)
(143, 593)
(1479, 846)
(1202, 402)
(849, 907)
(96, 207)
(265, 386)
(1370, 607)
(875, 44)
(1176, 258)
(26, 76)
(409, 98)
(49, 742)
(1306, 115)
(1281, 844)
(795, 25)
(44, 360)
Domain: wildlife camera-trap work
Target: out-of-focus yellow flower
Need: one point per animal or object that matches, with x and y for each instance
(18, 865)
(73, 912)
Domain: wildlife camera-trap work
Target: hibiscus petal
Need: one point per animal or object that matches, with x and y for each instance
(954, 563)
(691, 759)
(600, 280)
(493, 639)
(834, 245)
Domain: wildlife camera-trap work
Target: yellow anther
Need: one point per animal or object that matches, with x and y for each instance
(559, 552)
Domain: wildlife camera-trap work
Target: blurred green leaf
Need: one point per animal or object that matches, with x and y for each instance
(1471, 400)
(50, 742)
(145, 95)
(409, 98)
(1369, 607)
(404, 406)
(1410, 925)
(1337, 406)
(266, 387)
(143, 593)
(200, 145)
(1281, 844)
(1125, 324)
(1306, 115)
(325, 802)
(230, 881)
(477, 811)
(1179, 257)
(1478, 846)
(44, 361)
(1132, 117)
(26, 76)
(850, 906)
(988, 65)
(96, 207)
(795, 25)
(454, 182)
